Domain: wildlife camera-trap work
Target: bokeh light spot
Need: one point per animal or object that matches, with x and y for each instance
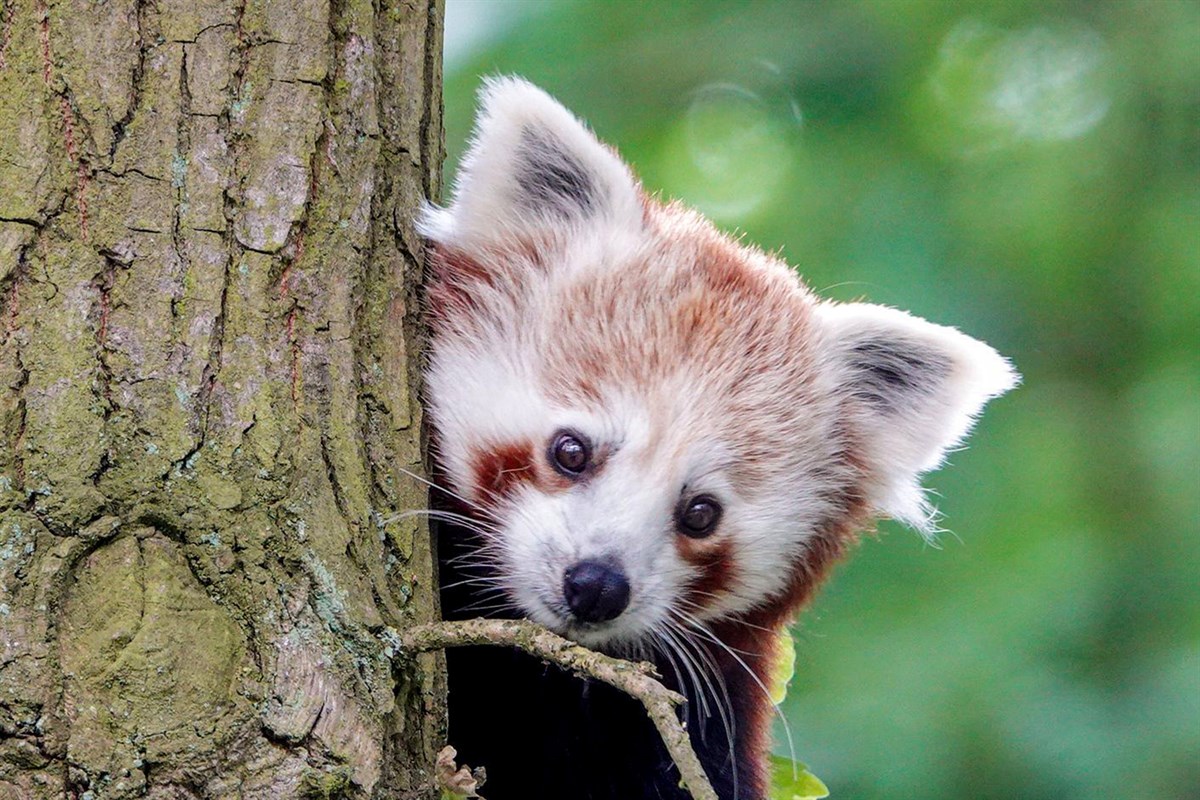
(998, 89)
(729, 152)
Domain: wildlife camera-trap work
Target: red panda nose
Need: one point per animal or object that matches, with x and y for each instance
(596, 591)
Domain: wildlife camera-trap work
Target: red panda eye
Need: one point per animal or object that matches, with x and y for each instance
(570, 453)
(699, 516)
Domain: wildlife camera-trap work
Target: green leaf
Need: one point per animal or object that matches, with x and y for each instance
(784, 668)
(791, 780)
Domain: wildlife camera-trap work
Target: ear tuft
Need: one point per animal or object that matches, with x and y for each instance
(914, 389)
(890, 374)
(531, 166)
(551, 180)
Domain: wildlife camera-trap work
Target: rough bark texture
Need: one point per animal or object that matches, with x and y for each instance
(207, 391)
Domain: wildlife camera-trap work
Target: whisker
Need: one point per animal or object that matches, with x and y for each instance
(710, 636)
(725, 706)
(734, 621)
(668, 646)
(484, 513)
(446, 516)
(443, 489)
(484, 580)
(489, 604)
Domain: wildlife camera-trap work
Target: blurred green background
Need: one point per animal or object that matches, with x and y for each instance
(1028, 172)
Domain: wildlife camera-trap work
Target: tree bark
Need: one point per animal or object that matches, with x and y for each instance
(208, 398)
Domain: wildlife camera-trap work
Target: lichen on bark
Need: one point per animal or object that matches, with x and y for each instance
(208, 397)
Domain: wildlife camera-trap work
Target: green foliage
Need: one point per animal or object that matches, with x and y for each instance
(791, 780)
(1030, 173)
(784, 668)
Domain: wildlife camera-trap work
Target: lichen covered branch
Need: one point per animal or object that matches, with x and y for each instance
(637, 679)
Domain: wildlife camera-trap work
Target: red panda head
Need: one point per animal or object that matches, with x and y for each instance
(662, 425)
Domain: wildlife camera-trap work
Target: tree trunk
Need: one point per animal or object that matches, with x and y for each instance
(208, 398)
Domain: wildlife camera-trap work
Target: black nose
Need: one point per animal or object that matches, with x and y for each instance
(596, 591)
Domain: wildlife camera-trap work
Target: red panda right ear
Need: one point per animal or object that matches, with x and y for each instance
(531, 167)
(913, 389)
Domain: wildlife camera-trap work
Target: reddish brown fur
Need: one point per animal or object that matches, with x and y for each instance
(744, 634)
(715, 565)
(498, 470)
(708, 287)
(455, 277)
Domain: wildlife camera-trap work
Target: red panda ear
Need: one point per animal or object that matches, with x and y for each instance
(914, 390)
(531, 166)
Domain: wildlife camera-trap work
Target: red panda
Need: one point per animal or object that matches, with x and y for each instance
(659, 440)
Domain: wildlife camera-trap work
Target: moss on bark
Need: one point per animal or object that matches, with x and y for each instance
(208, 398)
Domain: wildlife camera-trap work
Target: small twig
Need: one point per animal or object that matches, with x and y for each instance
(637, 679)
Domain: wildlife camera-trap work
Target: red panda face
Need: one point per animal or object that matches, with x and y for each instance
(658, 426)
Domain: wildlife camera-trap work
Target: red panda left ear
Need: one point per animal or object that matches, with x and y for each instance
(531, 167)
(913, 390)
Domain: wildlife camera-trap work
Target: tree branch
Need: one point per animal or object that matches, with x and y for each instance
(637, 679)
